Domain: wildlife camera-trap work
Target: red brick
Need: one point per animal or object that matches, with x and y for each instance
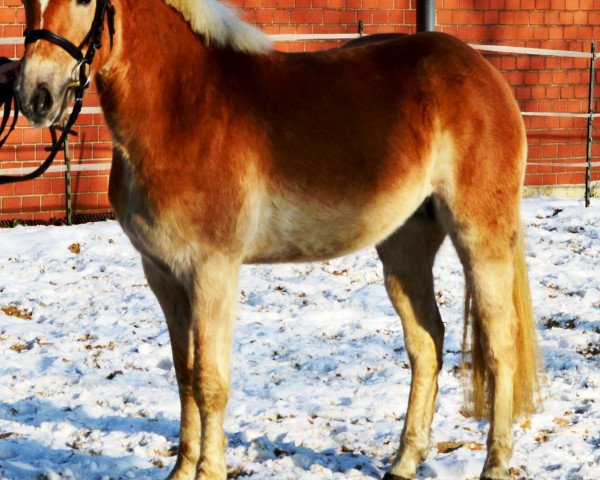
(264, 16)
(24, 188)
(460, 17)
(42, 186)
(349, 16)
(8, 15)
(521, 18)
(585, 32)
(32, 135)
(581, 91)
(410, 17)
(99, 184)
(551, 17)
(58, 185)
(552, 92)
(11, 204)
(476, 17)
(396, 16)
(281, 16)
(567, 92)
(526, 33)
(298, 16)
(531, 78)
(534, 180)
(31, 204)
(491, 17)
(580, 17)
(380, 17)
(331, 17)
(367, 17)
(314, 16)
(53, 202)
(7, 154)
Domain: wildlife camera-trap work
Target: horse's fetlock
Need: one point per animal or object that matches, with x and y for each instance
(211, 472)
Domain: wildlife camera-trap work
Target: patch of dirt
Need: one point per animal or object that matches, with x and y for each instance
(450, 446)
(21, 347)
(14, 311)
(238, 472)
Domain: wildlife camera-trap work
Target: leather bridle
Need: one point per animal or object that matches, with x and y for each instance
(104, 10)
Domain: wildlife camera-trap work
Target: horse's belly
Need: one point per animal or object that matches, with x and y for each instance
(295, 231)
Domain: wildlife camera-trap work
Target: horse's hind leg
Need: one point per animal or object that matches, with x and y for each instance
(407, 258)
(488, 237)
(175, 304)
(487, 259)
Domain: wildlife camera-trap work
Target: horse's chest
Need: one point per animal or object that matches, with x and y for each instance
(152, 235)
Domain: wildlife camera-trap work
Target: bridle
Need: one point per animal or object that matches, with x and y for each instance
(104, 10)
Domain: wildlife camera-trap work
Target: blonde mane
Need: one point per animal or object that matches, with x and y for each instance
(221, 26)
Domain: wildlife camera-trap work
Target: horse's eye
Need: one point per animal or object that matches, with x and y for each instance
(83, 2)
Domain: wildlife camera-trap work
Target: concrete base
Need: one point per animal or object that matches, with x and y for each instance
(570, 191)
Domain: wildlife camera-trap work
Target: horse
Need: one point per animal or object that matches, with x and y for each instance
(227, 152)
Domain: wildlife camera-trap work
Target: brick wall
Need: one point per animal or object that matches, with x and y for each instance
(540, 83)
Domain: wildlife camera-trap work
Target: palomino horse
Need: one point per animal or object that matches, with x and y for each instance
(227, 152)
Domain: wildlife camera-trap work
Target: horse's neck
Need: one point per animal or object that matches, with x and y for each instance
(144, 79)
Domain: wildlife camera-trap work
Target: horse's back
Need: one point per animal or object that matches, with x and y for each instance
(367, 114)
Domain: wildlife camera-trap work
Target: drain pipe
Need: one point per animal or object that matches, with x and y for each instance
(425, 15)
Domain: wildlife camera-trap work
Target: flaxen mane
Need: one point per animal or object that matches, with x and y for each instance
(221, 26)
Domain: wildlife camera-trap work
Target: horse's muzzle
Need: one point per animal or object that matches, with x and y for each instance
(40, 104)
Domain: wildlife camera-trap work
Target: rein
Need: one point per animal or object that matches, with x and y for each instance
(104, 9)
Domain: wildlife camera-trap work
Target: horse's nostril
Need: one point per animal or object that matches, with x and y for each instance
(41, 101)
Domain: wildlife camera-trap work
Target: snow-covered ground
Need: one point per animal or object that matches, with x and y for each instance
(320, 377)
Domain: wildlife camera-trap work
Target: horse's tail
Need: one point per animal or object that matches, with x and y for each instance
(528, 361)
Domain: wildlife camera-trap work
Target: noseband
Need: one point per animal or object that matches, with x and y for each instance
(104, 9)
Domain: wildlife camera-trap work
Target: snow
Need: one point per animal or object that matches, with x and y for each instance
(320, 377)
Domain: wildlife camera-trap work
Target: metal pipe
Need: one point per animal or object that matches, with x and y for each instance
(425, 15)
(590, 129)
(69, 210)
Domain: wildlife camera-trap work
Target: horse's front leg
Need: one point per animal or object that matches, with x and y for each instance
(175, 303)
(213, 295)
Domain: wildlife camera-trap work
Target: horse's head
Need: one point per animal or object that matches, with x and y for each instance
(60, 32)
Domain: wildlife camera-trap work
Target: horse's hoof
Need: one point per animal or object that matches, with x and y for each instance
(391, 476)
(496, 474)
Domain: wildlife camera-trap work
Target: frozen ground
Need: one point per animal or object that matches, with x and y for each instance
(320, 377)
